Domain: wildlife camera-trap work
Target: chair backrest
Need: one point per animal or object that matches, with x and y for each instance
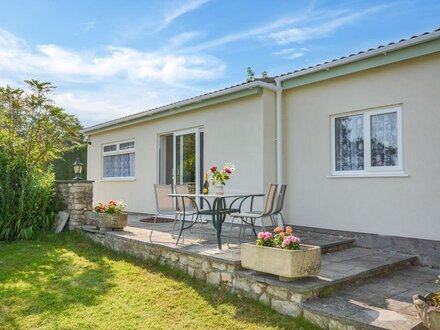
(270, 199)
(164, 203)
(183, 189)
(280, 201)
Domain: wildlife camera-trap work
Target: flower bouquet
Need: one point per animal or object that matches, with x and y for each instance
(219, 177)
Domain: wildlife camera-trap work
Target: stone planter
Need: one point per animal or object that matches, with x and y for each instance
(429, 315)
(104, 221)
(287, 264)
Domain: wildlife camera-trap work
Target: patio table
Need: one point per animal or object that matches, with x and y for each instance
(218, 208)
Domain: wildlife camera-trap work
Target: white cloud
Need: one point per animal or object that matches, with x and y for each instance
(96, 107)
(319, 28)
(316, 24)
(114, 61)
(180, 9)
(108, 83)
(181, 39)
(290, 53)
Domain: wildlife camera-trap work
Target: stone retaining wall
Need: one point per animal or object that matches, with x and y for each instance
(209, 269)
(77, 199)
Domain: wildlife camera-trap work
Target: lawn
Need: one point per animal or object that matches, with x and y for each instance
(68, 282)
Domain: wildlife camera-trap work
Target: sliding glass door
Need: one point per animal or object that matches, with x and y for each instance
(186, 156)
(181, 158)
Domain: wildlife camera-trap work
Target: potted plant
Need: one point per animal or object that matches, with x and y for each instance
(281, 253)
(108, 216)
(428, 308)
(219, 177)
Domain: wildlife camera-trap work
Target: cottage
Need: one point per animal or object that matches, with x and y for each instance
(356, 140)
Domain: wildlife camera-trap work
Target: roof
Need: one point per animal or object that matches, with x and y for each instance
(268, 82)
(381, 49)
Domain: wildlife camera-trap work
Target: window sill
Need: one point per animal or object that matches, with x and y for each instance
(370, 175)
(117, 179)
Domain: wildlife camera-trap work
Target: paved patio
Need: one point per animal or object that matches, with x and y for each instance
(357, 287)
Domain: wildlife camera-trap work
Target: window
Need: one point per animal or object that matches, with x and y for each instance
(367, 142)
(118, 160)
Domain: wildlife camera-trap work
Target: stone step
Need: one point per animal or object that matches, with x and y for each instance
(383, 302)
(329, 244)
(337, 269)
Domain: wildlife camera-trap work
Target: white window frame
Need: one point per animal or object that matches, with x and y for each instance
(368, 169)
(118, 151)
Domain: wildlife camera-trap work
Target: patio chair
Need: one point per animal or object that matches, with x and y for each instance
(164, 204)
(279, 207)
(251, 216)
(190, 209)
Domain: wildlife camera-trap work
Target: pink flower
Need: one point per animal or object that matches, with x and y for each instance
(290, 240)
(213, 168)
(228, 170)
(267, 235)
(260, 235)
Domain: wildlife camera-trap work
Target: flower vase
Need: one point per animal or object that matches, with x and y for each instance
(219, 189)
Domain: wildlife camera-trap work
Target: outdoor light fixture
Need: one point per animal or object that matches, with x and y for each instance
(77, 169)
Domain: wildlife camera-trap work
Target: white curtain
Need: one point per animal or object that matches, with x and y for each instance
(118, 166)
(349, 143)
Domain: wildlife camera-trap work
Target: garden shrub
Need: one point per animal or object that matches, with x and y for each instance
(33, 133)
(27, 199)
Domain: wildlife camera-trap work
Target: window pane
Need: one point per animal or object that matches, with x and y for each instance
(349, 143)
(110, 148)
(126, 145)
(384, 139)
(119, 166)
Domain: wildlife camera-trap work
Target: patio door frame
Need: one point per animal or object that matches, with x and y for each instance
(195, 131)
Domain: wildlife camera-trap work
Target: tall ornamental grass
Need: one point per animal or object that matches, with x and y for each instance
(27, 199)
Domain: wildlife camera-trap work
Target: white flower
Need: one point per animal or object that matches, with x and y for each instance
(121, 205)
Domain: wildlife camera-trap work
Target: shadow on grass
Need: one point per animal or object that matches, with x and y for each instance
(50, 275)
(245, 309)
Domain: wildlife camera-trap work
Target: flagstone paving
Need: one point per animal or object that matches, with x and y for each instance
(357, 288)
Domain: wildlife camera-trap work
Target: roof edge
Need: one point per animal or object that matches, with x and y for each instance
(361, 56)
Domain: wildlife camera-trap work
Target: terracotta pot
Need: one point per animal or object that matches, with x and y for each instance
(287, 264)
(429, 315)
(105, 221)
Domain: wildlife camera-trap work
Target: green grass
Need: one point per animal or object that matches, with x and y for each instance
(68, 282)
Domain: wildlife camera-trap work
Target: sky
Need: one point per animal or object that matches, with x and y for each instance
(113, 58)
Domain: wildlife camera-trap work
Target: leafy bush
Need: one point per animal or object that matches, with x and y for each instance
(33, 133)
(27, 200)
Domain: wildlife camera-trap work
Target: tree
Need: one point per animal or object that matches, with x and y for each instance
(33, 132)
(250, 74)
(264, 74)
(33, 127)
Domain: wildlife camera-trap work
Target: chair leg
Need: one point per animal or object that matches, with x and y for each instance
(282, 219)
(253, 227)
(176, 216)
(262, 224)
(230, 230)
(152, 227)
(273, 220)
(181, 231)
(199, 220)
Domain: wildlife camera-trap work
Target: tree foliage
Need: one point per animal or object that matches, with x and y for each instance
(33, 133)
(31, 125)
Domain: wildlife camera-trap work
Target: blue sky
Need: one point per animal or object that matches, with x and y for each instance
(113, 58)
